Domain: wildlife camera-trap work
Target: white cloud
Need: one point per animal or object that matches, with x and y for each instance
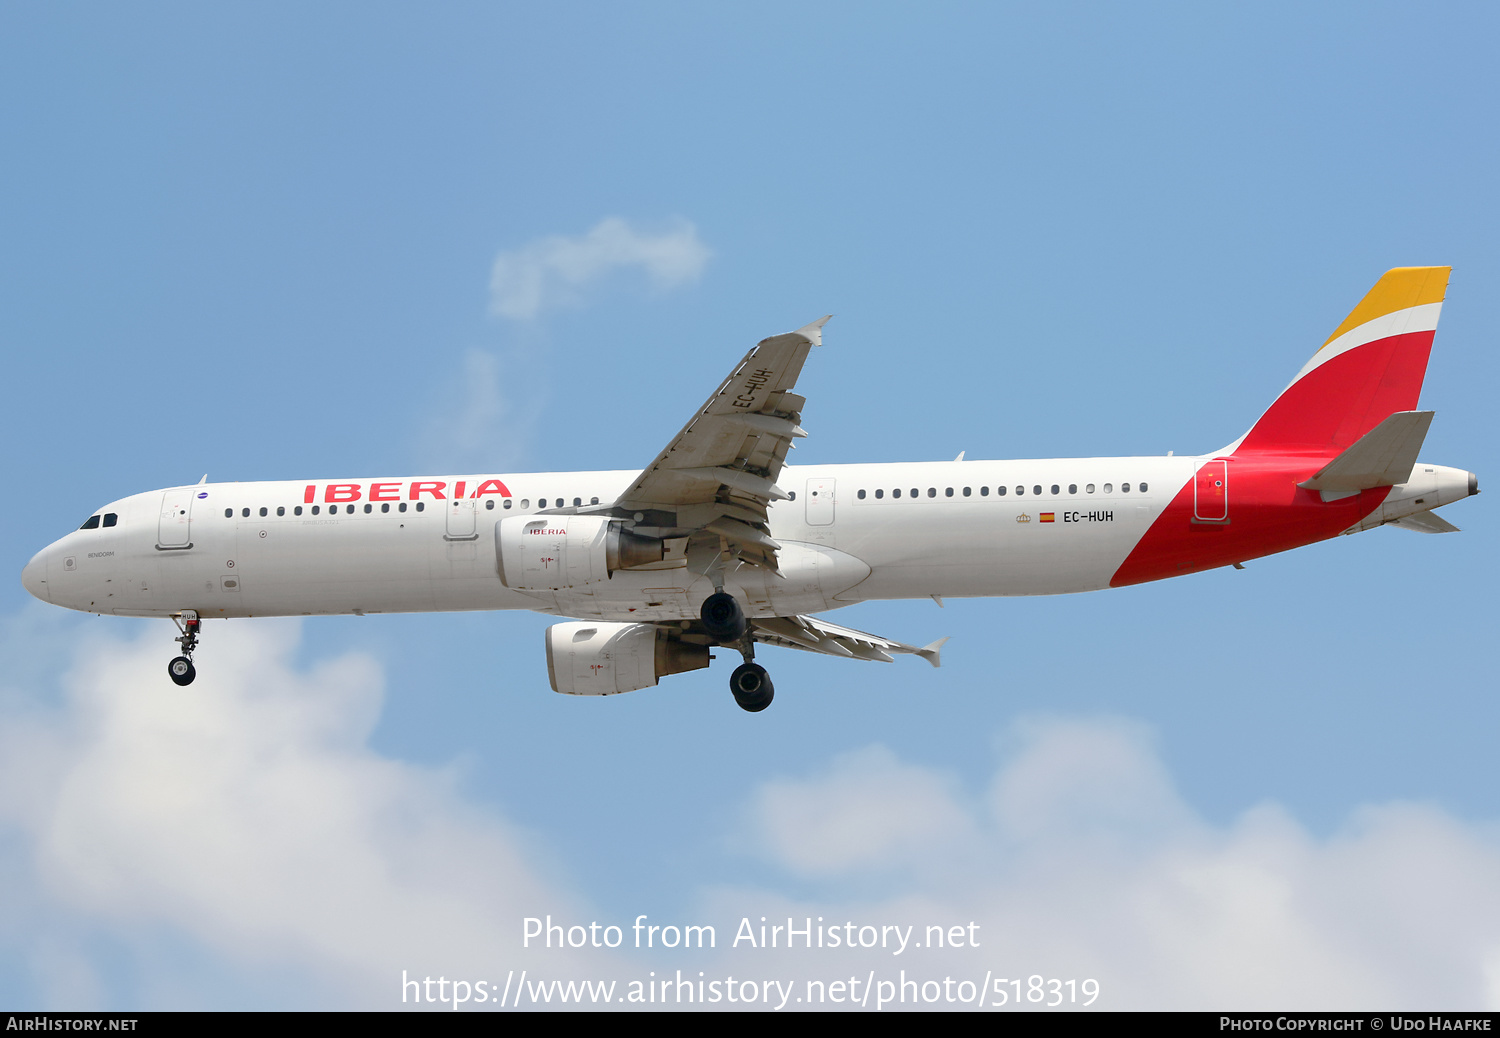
(554, 271)
(1082, 860)
(870, 811)
(476, 424)
(247, 815)
(244, 823)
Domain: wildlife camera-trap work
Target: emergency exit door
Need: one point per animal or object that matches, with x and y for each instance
(819, 502)
(462, 520)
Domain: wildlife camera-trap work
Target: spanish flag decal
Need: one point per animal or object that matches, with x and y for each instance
(1047, 517)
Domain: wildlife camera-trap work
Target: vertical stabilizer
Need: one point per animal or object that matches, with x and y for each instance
(1371, 367)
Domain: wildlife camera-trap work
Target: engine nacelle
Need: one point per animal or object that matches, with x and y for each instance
(590, 658)
(550, 552)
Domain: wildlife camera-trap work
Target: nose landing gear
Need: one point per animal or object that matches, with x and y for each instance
(181, 669)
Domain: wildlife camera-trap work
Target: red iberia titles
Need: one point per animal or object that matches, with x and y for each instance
(402, 490)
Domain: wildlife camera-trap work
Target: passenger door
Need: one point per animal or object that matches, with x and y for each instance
(174, 530)
(1211, 492)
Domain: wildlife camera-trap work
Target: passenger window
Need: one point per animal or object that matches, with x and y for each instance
(984, 491)
(1124, 488)
(948, 492)
(368, 509)
(1020, 491)
(1055, 489)
(1000, 491)
(860, 495)
(262, 513)
(350, 509)
(578, 502)
(932, 491)
(401, 507)
(525, 502)
(968, 492)
(315, 510)
(1089, 489)
(1142, 488)
(229, 513)
(1036, 490)
(1109, 488)
(489, 505)
(896, 493)
(593, 500)
(507, 504)
(791, 495)
(1072, 488)
(915, 493)
(91, 523)
(879, 494)
(297, 510)
(385, 507)
(281, 510)
(421, 505)
(244, 513)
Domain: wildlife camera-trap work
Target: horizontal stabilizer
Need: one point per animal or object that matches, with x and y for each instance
(1425, 522)
(1382, 457)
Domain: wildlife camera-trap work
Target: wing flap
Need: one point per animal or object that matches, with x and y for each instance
(718, 475)
(814, 635)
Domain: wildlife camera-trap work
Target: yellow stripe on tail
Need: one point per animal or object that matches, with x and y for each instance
(1398, 289)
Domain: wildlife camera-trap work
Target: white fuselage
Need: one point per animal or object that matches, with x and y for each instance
(297, 548)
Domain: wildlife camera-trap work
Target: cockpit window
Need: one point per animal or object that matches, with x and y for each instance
(92, 524)
(110, 518)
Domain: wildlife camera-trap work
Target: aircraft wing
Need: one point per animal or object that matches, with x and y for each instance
(717, 477)
(814, 635)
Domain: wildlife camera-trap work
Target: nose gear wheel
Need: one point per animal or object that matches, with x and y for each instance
(181, 669)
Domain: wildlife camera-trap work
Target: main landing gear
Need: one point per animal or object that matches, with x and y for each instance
(725, 621)
(181, 669)
(752, 687)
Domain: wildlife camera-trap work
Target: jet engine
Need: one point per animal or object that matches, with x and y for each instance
(586, 658)
(549, 552)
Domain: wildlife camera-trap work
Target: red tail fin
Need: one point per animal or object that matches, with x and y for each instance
(1370, 367)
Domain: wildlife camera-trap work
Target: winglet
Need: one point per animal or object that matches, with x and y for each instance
(813, 333)
(930, 652)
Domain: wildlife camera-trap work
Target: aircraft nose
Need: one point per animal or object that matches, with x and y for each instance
(34, 576)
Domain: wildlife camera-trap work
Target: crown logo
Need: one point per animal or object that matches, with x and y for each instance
(1023, 518)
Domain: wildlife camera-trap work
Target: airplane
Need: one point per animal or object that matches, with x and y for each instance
(718, 542)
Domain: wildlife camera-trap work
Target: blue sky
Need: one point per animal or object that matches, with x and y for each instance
(258, 242)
